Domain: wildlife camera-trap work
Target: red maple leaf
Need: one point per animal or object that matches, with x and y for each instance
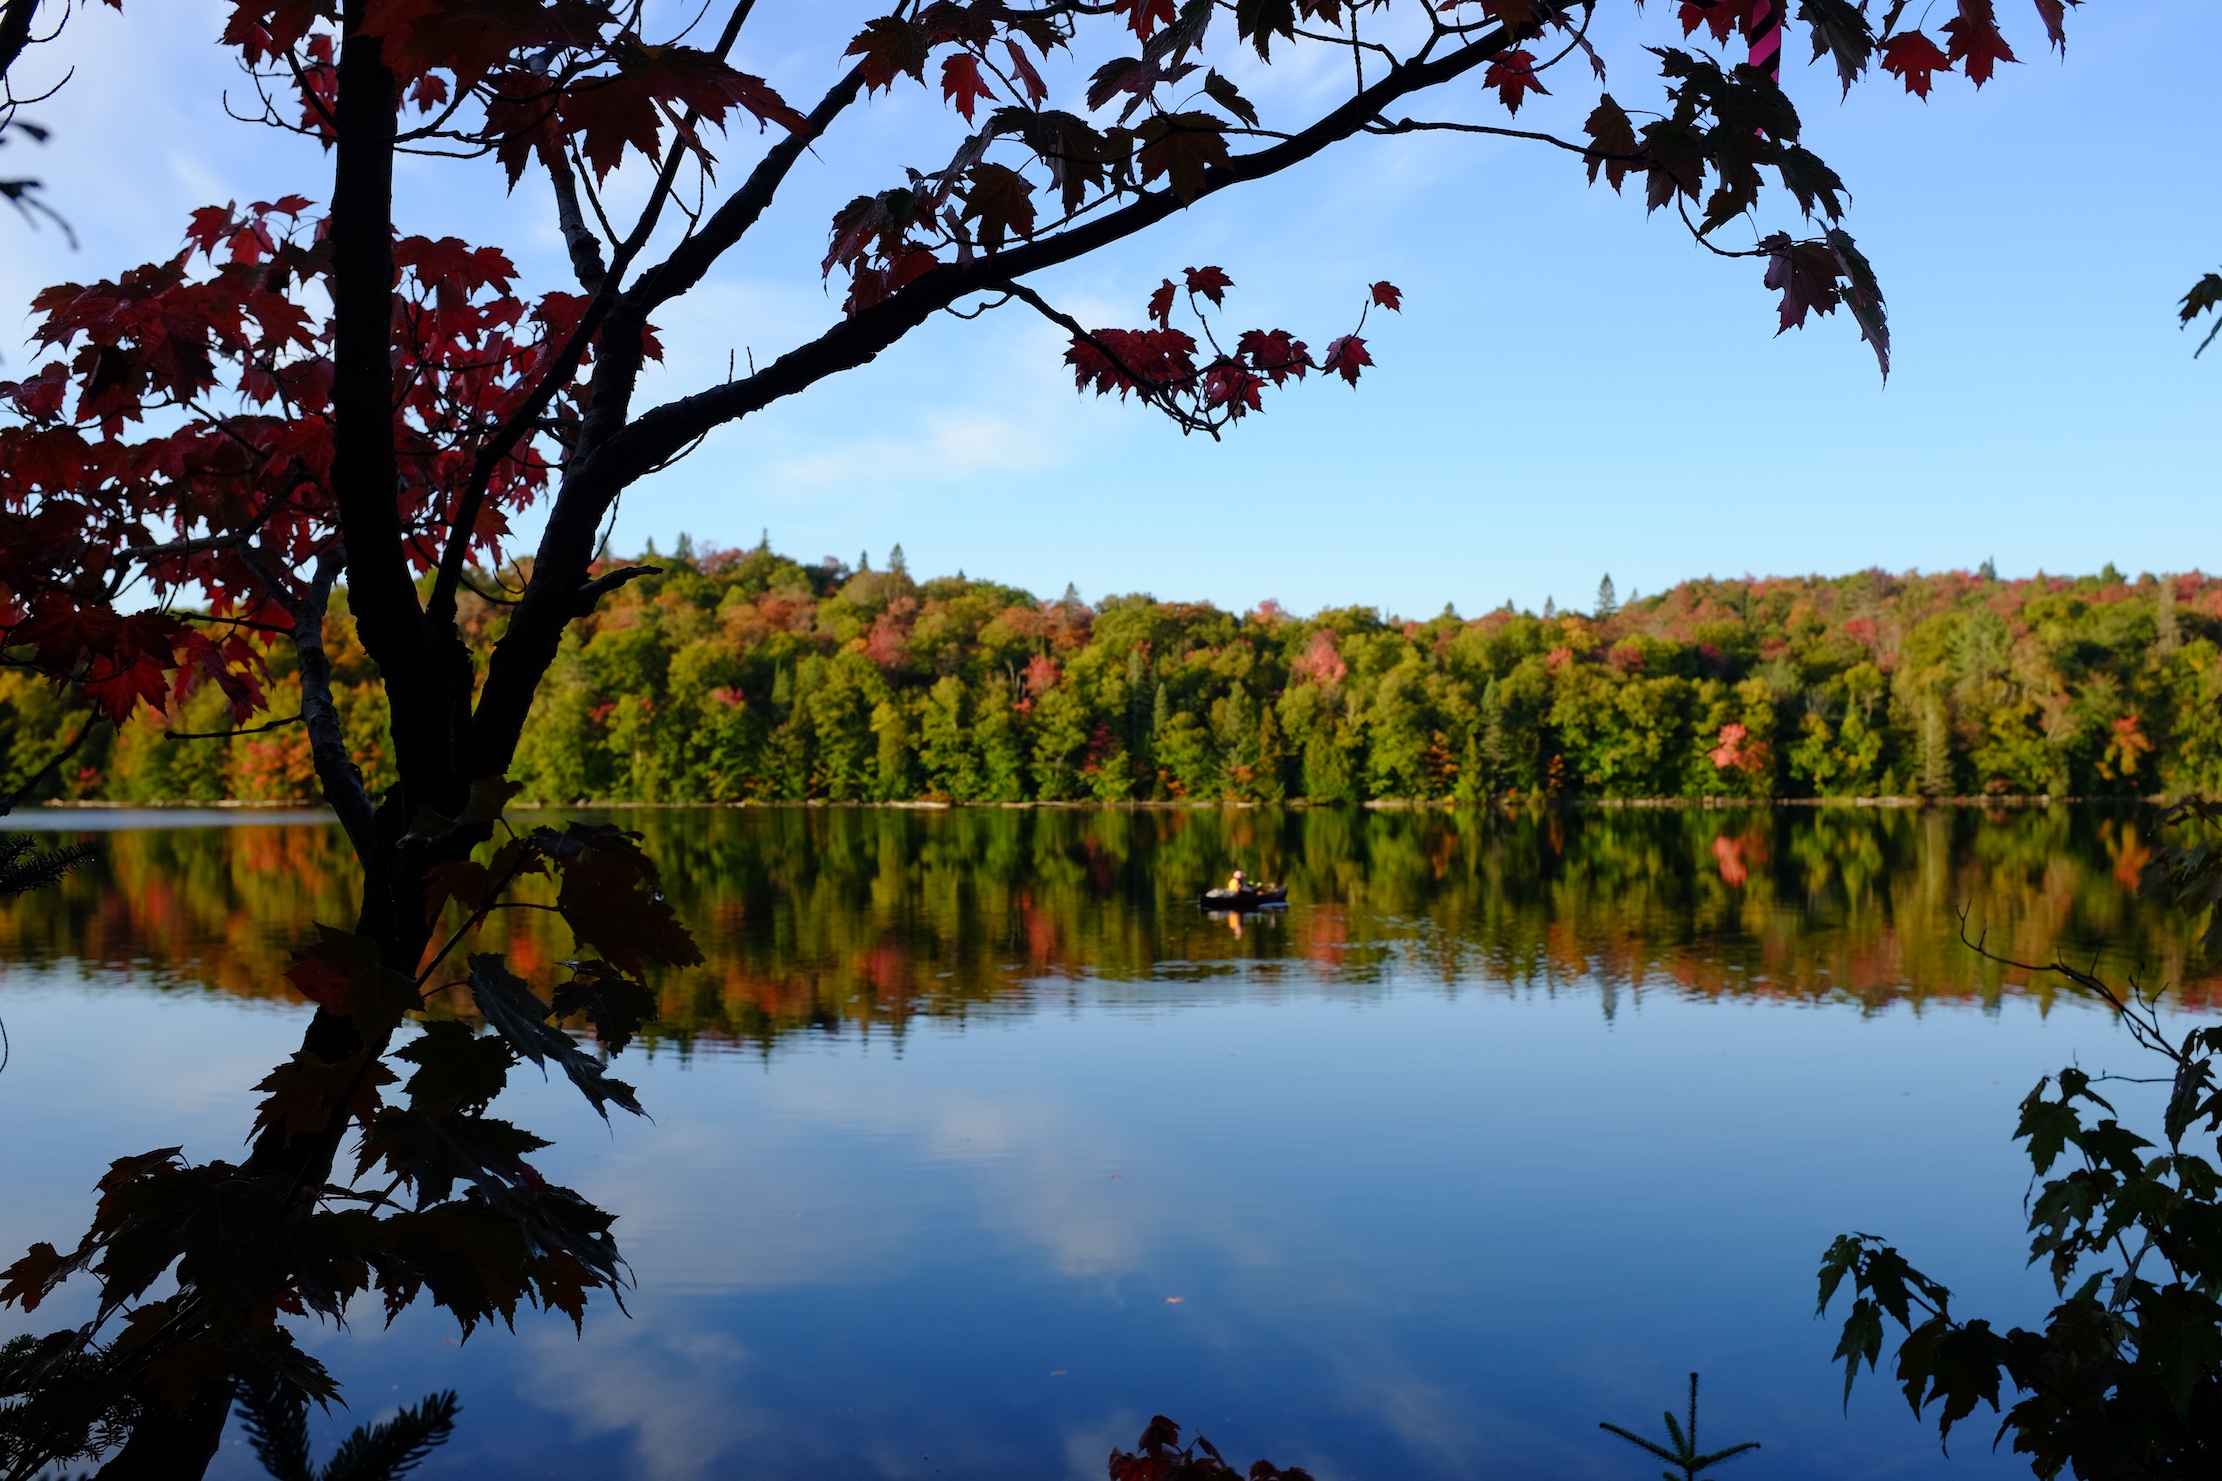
(1037, 91)
(1211, 282)
(890, 46)
(1388, 296)
(1161, 304)
(962, 83)
(119, 686)
(1346, 356)
(1913, 57)
(1805, 274)
(2055, 14)
(1512, 74)
(1975, 40)
(1722, 17)
(1145, 16)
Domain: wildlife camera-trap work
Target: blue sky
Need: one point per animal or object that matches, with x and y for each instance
(1572, 390)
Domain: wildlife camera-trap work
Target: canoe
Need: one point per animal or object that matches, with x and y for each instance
(1246, 899)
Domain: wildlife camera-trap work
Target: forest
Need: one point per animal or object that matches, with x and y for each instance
(745, 676)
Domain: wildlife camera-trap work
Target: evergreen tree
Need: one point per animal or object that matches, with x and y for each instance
(1234, 726)
(1987, 570)
(1271, 783)
(683, 553)
(1936, 749)
(1607, 602)
(1137, 719)
(1494, 752)
(892, 782)
(1550, 609)
(895, 561)
(945, 743)
(25, 867)
(2168, 637)
(1002, 762)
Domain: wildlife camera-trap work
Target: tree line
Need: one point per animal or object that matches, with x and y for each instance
(737, 676)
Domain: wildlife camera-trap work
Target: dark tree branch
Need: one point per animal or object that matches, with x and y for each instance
(149, 554)
(419, 678)
(859, 339)
(585, 247)
(15, 31)
(694, 257)
(618, 363)
(335, 767)
(1415, 126)
(593, 591)
(200, 735)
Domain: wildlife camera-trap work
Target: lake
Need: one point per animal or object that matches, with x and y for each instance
(975, 1143)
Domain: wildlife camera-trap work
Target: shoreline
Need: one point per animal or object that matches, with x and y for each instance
(311, 811)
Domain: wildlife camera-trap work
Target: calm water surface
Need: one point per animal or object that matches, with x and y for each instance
(975, 1144)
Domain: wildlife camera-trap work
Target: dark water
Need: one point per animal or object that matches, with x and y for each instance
(975, 1143)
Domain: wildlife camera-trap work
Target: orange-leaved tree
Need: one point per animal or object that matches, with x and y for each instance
(304, 396)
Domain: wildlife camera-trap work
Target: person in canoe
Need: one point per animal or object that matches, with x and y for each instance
(1242, 894)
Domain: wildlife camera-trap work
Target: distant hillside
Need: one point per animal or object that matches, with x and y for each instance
(745, 675)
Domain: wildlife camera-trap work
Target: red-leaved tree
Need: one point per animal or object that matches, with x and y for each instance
(303, 396)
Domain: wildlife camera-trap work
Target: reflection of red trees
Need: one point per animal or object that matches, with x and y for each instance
(1695, 907)
(1322, 935)
(1040, 931)
(1730, 855)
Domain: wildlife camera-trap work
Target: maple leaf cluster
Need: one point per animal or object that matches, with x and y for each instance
(513, 77)
(1159, 1456)
(1161, 364)
(190, 409)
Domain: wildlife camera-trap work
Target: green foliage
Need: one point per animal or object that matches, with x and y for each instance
(26, 866)
(275, 1415)
(745, 676)
(2124, 1379)
(59, 1402)
(1681, 1448)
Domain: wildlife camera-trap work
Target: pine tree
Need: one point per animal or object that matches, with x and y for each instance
(1987, 571)
(24, 867)
(1271, 785)
(1137, 720)
(683, 552)
(1607, 602)
(1550, 609)
(895, 561)
(1494, 753)
(1936, 750)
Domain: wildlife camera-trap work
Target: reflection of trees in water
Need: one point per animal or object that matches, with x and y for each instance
(823, 917)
